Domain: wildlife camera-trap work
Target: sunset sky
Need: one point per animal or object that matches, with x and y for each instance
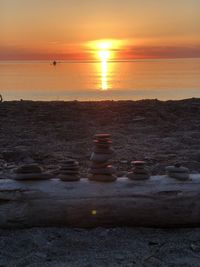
(64, 29)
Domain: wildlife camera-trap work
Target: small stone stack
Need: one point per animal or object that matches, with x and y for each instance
(139, 171)
(101, 169)
(30, 172)
(178, 172)
(69, 171)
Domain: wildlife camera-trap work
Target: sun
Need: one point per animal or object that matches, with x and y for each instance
(104, 49)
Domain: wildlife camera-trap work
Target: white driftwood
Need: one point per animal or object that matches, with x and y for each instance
(158, 202)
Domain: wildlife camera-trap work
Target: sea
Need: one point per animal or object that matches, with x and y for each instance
(162, 79)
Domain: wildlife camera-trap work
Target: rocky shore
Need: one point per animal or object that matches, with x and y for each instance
(47, 133)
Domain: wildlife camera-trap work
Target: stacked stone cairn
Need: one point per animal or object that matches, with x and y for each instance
(30, 172)
(178, 172)
(69, 171)
(101, 169)
(139, 171)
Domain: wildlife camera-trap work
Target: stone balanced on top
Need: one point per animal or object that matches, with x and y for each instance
(101, 169)
(139, 171)
(178, 172)
(69, 171)
(30, 172)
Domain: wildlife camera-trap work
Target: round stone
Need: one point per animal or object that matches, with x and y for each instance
(108, 170)
(68, 172)
(30, 168)
(174, 169)
(138, 163)
(99, 165)
(100, 157)
(102, 136)
(180, 176)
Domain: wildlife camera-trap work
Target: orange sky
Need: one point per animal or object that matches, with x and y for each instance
(49, 29)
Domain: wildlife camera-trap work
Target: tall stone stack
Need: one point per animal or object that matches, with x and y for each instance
(139, 171)
(101, 169)
(69, 171)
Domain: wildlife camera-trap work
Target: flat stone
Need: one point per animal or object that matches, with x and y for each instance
(102, 178)
(174, 169)
(102, 136)
(100, 157)
(32, 168)
(73, 168)
(101, 143)
(99, 165)
(68, 172)
(32, 176)
(179, 176)
(138, 163)
(108, 170)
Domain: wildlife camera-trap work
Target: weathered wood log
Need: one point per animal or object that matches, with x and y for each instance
(158, 202)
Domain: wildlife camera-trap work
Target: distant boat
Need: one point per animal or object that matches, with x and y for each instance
(54, 63)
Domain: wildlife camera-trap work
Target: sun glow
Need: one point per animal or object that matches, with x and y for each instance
(104, 50)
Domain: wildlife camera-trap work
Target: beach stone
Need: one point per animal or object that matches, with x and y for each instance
(30, 172)
(69, 171)
(32, 168)
(100, 157)
(101, 169)
(107, 170)
(69, 177)
(178, 172)
(139, 171)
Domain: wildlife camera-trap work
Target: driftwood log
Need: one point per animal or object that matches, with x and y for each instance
(158, 202)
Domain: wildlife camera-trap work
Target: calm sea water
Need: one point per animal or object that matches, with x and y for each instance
(162, 79)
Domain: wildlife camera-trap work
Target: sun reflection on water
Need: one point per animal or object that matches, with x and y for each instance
(104, 55)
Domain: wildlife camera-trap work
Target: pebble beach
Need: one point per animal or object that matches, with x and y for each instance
(159, 132)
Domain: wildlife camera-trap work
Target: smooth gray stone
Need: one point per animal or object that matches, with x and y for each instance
(100, 157)
(179, 176)
(108, 170)
(69, 172)
(32, 168)
(138, 163)
(173, 169)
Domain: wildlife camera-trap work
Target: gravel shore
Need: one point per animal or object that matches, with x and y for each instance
(127, 247)
(158, 132)
(47, 132)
